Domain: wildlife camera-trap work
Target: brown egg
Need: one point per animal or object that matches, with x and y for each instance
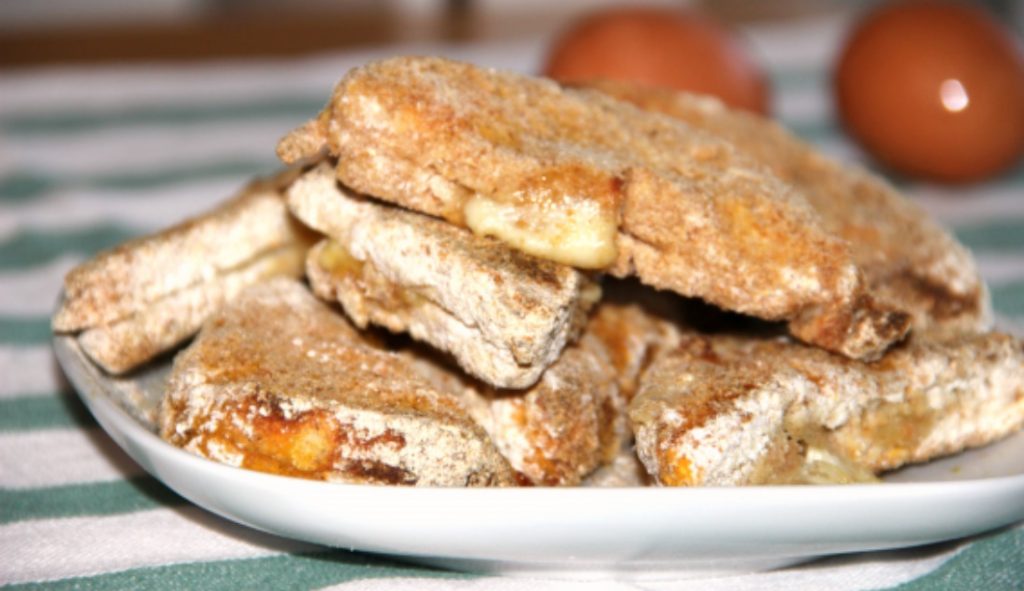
(660, 47)
(935, 90)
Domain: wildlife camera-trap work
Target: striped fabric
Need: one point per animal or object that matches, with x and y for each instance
(92, 156)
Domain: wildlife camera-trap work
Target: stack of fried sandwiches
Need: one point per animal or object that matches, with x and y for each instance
(468, 277)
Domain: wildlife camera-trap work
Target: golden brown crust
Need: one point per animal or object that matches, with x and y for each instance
(737, 410)
(278, 382)
(907, 259)
(687, 211)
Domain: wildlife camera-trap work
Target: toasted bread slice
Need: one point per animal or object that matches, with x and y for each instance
(278, 382)
(504, 316)
(908, 260)
(145, 296)
(583, 179)
(726, 410)
(121, 345)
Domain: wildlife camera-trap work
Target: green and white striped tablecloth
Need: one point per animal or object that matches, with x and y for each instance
(92, 156)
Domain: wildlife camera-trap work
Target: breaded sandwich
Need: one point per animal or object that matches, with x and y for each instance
(278, 382)
(503, 315)
(733, 410)
(479, 213)
(146, 296)
(582, 179)
(908, 260)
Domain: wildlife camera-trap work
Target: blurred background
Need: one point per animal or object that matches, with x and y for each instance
(53, 31)
(64, 31)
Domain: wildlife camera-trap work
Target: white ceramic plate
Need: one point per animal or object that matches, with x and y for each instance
(622, 532)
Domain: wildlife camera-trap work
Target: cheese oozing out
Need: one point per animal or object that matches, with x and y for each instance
(579, 233)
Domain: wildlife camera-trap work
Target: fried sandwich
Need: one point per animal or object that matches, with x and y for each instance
(585, 180)
(500, 229)
(278, 382)
(734, 410)
(503, 315)
(135, 301)
(908, 260)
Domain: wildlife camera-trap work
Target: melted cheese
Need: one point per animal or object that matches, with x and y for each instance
(578, 233)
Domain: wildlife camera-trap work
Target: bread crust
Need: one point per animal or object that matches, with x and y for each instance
(687, 211)
(278, 382)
